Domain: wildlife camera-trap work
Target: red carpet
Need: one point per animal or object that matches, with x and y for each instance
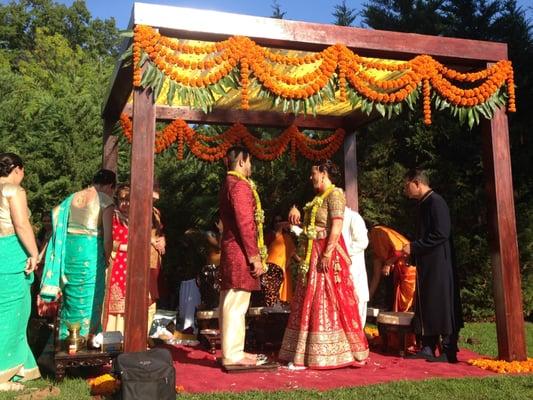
(197, 371)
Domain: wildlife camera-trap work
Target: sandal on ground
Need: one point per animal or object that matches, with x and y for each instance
(11, 387)
(246, 362)
(260, 359)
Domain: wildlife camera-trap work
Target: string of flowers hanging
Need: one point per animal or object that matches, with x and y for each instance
(213, 148)
(197, 74)
(310, 233)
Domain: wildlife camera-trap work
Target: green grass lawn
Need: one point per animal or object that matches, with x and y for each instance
(478, 337)
(481, 338)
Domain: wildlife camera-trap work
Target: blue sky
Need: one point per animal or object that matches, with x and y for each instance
(302, 10)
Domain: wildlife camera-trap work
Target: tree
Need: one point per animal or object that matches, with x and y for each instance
(344, 15)
(19, 21)
(276, 11)
(388, 147)
(420, 16)
(50, 115)
(471, 19)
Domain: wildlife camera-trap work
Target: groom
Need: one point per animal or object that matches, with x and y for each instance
(240, 263)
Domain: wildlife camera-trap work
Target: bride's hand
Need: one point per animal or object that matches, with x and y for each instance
(323, 266)
(294, 216)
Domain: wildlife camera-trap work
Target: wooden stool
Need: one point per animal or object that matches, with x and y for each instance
(209, 333)
(399, 322)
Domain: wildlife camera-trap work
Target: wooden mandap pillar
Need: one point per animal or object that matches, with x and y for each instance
(350, 172)
(110, 146)
(140, 220)
(503, 239)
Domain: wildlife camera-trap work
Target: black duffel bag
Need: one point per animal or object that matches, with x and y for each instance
(146, 375)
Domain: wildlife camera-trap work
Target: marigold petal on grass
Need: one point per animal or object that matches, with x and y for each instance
(503, 367)
(104, 385)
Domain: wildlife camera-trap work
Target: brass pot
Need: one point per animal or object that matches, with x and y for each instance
(74, 340)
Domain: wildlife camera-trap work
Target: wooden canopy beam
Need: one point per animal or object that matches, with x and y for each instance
(187, 23)
(257, 118)
(119, 92)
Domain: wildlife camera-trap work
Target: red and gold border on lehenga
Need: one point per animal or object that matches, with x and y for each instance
(321, 350)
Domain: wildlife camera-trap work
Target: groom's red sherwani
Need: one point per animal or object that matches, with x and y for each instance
(239, 237)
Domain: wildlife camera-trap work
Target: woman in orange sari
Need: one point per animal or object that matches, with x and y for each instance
(387, 246)
(276, 283)
(324, 329)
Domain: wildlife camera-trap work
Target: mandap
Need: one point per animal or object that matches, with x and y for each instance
(188, 66)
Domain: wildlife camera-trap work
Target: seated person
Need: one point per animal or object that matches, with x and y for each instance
(387, 246)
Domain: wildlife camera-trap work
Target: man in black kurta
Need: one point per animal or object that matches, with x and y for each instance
(437, 305)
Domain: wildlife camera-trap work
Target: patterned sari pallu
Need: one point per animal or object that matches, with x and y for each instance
(16, 360)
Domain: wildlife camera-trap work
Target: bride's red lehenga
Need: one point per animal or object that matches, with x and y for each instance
(324, 328)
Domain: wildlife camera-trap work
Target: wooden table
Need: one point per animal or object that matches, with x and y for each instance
(82, 358)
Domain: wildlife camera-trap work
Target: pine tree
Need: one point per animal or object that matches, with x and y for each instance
(276, 11)
(421, 16)
(344, 15)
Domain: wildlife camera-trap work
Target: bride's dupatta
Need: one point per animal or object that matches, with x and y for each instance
(53, 276)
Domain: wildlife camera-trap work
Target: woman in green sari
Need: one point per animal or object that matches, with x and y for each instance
(18, 260)
(77, 254)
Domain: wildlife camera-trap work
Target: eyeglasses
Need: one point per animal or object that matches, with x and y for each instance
(124, 201)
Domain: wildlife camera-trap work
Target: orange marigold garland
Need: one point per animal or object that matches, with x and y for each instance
(213, 148)
(427, 102)
(335, 65)
(503, 367)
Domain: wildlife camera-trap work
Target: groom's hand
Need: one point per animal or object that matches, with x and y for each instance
(257, 269)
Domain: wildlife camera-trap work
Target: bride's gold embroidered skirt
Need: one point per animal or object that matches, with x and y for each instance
(324, 329)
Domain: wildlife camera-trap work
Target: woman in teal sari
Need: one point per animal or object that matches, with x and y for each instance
(18, 260)
(77, 254)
